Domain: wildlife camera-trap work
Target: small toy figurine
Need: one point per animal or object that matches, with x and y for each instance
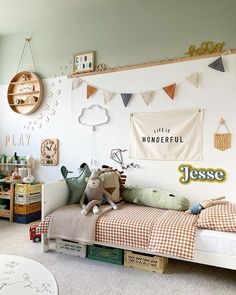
(198, 207)
(35, 237)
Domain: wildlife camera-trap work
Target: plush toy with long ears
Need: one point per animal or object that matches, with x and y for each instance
(94, 195)
(198, 207)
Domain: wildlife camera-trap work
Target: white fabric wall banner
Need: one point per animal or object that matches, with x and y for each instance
(171, 135)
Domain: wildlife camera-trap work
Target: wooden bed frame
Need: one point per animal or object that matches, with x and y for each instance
(55, 195)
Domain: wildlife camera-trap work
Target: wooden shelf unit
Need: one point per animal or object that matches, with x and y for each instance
(20, 80)
(8, 195)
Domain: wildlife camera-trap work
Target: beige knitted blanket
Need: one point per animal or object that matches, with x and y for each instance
(68, 223)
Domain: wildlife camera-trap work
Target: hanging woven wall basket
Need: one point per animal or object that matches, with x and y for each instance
(222, 141)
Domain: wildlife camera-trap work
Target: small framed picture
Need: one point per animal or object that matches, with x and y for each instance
(84, 62)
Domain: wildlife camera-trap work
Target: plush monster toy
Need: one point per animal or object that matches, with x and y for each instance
(94, 195)
(198, 207)
(154, 197)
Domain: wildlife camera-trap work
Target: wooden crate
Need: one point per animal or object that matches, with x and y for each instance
(106, 254)
(145, 262)
(27, 208)
(71, 248)
(26, 188)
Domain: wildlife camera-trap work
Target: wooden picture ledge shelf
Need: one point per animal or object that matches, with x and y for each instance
(152, 64)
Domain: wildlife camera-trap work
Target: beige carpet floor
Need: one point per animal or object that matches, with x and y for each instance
(77, 276)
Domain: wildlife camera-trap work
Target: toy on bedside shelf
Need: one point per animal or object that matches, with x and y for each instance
(198, 207)
(93, 194)
(156, 198)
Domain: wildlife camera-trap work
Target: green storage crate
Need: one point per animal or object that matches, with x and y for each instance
(106, 254)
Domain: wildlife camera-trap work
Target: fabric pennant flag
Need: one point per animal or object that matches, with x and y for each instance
(76, 83)
(194, 79)
(107, 96)
(217, 65)
(147, 96)
(170, 90)
(126, 98)
(90, 91)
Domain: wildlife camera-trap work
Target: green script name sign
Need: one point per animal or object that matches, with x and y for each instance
(190, 173)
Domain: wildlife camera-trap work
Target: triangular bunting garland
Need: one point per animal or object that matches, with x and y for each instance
(76, 83)
(147, 96)
(194, 79)
(90, 91)
(217, 65)
(126, 98)
(170, 90)
(107, 96)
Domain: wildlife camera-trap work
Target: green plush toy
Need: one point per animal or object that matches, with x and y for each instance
(154, 197)
(76, 185)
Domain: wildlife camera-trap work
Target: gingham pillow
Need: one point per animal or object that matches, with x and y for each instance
(218, 217)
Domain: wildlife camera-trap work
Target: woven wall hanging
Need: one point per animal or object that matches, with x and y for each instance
(222, 141)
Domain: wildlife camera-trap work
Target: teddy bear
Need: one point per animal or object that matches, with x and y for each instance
(94, 195)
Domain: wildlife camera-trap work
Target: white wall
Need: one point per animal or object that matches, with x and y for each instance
(217, 95)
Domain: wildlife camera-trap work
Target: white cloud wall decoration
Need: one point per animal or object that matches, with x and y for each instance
(93, 116)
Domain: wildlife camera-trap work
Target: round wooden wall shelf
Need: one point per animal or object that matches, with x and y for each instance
(25, 93)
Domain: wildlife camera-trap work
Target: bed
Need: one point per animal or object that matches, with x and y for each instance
(216, 248)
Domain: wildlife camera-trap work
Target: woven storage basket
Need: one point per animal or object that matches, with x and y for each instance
(222, 141)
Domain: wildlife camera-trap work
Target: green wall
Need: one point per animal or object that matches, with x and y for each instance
(122, 33)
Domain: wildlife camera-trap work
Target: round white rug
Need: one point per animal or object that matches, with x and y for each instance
(23, 276)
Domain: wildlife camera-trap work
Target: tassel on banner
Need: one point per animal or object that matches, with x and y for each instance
(147, 96)
(76, 83)
(194, 79)
(170, 90)
(217, 65)
(107, 96)
(126, 98)
(90, 91)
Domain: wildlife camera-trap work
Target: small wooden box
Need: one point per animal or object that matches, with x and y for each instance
(145, 262)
